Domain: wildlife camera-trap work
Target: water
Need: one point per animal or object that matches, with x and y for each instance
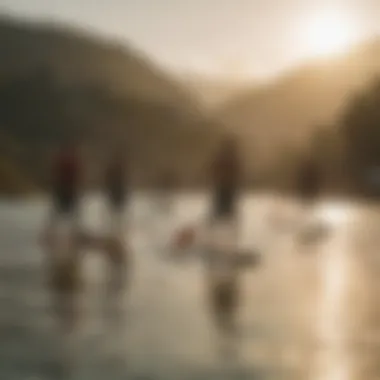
(308, 312)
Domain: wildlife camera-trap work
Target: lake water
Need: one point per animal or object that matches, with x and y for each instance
(310, 311)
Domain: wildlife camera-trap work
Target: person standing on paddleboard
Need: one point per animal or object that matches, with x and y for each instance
(309, 182)
(116, 186)
(309, 188)
(223, 231)
(225, 178)
(226, 175)
(66, 182)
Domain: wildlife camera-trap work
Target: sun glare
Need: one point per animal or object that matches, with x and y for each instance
(328, 33)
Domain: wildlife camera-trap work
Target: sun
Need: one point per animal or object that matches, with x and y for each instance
(328, 33)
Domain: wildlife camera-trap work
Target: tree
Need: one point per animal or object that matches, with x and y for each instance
(360, 127)
(327, 151)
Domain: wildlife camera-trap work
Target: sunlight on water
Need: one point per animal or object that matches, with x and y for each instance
(333, 214)
(166, 329)
(332, 363)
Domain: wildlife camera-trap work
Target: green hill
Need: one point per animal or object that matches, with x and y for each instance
(57, 83)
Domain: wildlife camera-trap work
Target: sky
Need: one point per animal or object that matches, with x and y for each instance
(222, 38)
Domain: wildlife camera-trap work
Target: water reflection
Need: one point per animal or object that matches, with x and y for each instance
(332, 361)
(301, 316)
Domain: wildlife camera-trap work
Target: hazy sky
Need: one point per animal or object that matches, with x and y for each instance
(217, 37)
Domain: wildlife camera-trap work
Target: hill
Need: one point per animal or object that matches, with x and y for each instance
(57, 83)
(212, 92)
(275, 119)
(77, 57)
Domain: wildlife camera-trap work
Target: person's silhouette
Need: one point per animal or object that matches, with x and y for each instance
(116, 186)
(226, 172)
(66, 182)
